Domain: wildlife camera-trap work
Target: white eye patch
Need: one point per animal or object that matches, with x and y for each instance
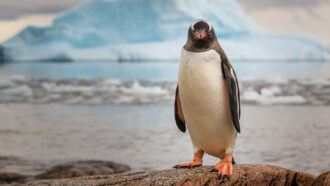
(198, 20)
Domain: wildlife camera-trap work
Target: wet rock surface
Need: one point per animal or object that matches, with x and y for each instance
(243, 175)
(83, 168)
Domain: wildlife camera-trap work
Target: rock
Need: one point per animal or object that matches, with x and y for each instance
(322, 180)
(8, 158)
(11, 177)
(243, 175)
(6, 177)
(83, 168)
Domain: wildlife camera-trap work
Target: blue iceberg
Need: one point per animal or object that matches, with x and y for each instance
(135, 30)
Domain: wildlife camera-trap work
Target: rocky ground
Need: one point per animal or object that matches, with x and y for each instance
(243, 175)
(67, 170)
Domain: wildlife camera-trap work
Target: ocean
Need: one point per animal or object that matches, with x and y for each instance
(57, 112)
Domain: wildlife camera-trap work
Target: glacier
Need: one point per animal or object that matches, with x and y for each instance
(151, 30)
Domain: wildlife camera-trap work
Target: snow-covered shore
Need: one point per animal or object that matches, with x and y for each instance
(94, 91)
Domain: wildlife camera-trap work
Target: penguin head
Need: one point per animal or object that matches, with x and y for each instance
(201, 34)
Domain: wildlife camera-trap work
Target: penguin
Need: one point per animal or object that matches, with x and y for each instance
(207, 99)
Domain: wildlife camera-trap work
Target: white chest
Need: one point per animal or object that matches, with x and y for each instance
(204, 100)
(200, 66)
(201, 80)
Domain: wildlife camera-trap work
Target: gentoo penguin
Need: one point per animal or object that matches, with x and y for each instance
(207, 98)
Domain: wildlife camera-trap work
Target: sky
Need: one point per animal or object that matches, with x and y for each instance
(15, 15)
(12, 9)
(294, 16)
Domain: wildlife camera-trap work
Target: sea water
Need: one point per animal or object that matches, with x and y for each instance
(160, 70)
(57, 112)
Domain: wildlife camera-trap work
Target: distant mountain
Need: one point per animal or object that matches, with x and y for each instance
(153, 30)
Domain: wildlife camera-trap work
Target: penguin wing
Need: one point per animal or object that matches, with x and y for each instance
(233, 92)
(178, 114)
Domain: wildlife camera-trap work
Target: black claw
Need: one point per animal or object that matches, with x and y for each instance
(219, 177)
(213, 170)
(225, 176)
(189, 166)
(176, 166)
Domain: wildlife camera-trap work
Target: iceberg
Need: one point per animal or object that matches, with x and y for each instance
(1, 54)
(151, 30)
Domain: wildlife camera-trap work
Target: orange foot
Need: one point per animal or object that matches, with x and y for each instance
(225, 167)
(198, 161)
(188, 165)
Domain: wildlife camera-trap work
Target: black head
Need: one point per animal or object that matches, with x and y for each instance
(201, 34)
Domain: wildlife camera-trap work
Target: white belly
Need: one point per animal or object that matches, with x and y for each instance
(205, 104)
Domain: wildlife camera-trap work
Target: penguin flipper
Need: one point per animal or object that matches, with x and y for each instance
(178, 113)
(233, 92)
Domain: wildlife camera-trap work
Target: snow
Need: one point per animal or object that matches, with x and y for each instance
(21, 91)
(66, 88)
(16, 78)
(154, 30)
(268, 97)
(115, 91)
(111, 81)
(270, 91)
(136, 88)
(4, 83)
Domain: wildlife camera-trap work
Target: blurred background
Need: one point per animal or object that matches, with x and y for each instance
(95, 80)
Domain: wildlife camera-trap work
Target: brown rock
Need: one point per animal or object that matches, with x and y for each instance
(243, 175)
(6, 177)
(83, 168)
(10, 177)
(7, 158)
(322, 180)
